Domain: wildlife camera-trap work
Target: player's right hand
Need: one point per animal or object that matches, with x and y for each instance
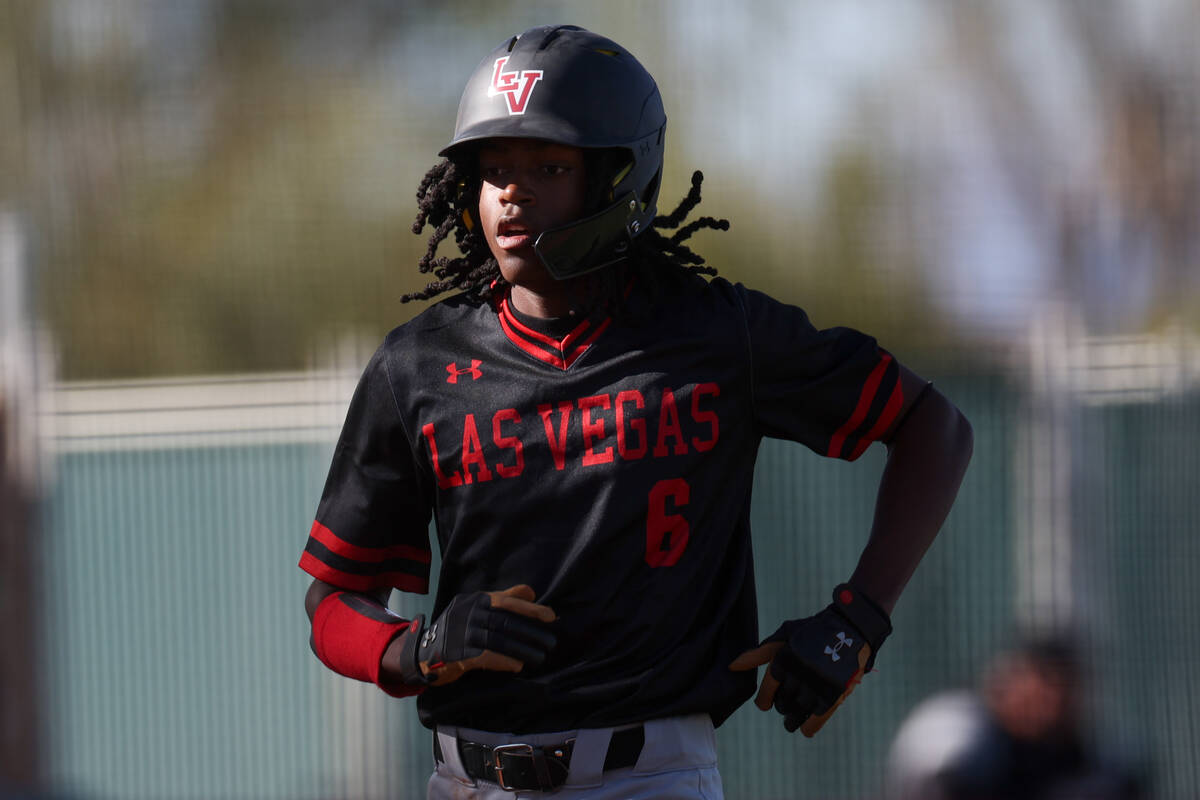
(501, 631)
(815, 662)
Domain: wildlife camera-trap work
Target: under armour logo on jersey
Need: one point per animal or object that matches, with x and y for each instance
(515, 86)
(474, 371)
(843, 641)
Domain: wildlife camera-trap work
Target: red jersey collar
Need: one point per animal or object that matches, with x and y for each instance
(561, 353)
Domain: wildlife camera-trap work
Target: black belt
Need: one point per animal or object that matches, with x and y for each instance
(527, 767)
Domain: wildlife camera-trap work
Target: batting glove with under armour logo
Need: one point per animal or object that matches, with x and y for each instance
(501, 631)
(817, 661)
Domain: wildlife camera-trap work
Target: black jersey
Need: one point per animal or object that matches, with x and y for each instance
(607, 463)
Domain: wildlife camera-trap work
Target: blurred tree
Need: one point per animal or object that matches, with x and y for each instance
(849, 261)
(227, 186)
(205, 220)
(16, 45)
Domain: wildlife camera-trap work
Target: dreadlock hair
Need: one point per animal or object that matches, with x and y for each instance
(446, 202)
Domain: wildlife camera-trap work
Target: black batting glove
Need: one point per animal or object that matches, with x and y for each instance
(817, 661)
(500, 631)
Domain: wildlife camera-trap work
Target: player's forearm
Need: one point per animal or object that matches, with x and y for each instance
(355, 635)
(926, 463)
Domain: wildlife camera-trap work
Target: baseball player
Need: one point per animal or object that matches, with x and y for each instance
(580, 417)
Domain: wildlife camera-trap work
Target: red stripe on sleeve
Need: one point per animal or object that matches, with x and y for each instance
(885, 421)
(362, 583)
(368, 555)
(865, 398)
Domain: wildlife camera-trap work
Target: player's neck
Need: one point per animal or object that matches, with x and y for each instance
(544, 305)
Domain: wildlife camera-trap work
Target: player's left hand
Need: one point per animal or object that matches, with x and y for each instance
(817, 661)
(499, 631)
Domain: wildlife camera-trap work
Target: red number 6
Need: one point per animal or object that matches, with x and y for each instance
(666, 534)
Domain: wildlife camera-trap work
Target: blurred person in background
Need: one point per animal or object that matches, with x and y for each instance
(1020, 736)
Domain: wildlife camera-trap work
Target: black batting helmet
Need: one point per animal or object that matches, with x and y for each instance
(570, 86)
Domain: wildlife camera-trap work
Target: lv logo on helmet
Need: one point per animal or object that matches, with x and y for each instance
(515, 86)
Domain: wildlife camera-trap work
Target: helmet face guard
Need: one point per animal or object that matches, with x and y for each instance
(570, 86)
(591, 243)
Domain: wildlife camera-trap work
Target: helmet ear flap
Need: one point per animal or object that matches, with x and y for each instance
(650, 193)
(616, 181)
(607, 168)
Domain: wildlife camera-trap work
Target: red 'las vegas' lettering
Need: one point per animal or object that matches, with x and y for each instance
(443, 481)
(472, 453)
(709, 417)
(626, 417)
(558, 444)
(593, 430)
(636, 424)
(508, 443)
(668, 427)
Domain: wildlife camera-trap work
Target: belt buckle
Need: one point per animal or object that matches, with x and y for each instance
(513, 749)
